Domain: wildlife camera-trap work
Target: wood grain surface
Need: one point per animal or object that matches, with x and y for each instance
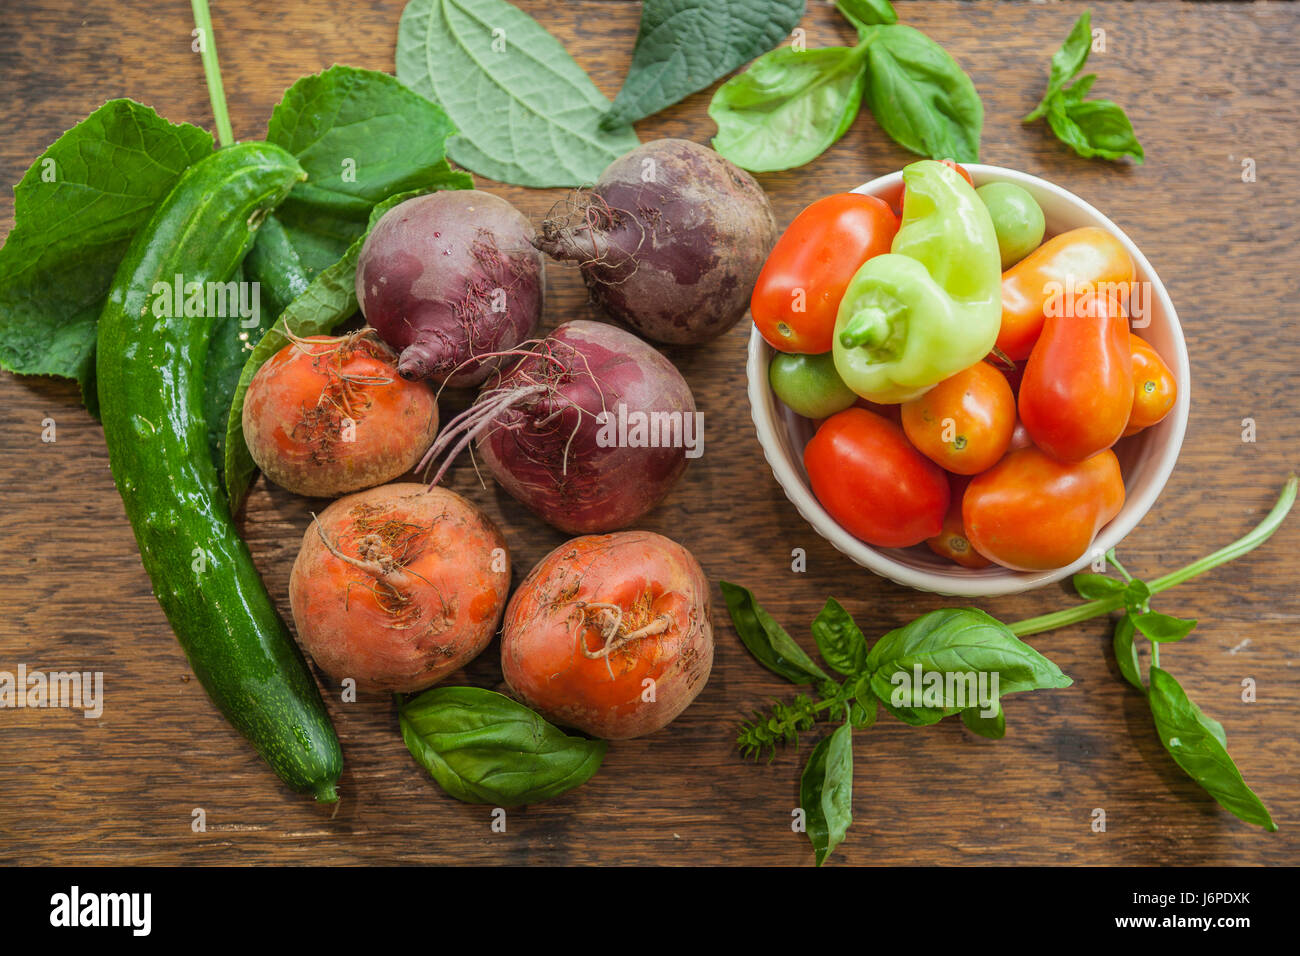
(1207, 86)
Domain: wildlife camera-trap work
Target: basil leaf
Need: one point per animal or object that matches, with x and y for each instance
(1077, 91)
(921, 97)
(684, 45)
(841, 642)
(767, 640)
(1093, 586)
(483, 747)
(789, 107)
(1126, 655)
(1198, 745)
(826, 792)
(1136, 595)
(863, 711)
(1162, 628)
(963, 642)
(326, 303)
(1094, 128)
(1066, 62)
(526, 112)
(994, 728)
(867, 13)
(75, 211)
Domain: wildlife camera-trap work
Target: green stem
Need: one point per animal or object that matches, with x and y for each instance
(211, 70)
(868, 327)
(1091, 609)
(1110, 556)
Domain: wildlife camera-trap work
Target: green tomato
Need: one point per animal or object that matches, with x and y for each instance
(809, 384)
(1017, 219)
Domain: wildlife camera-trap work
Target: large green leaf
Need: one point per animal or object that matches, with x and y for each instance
(75, 212)
(684, 45)
(526, 112)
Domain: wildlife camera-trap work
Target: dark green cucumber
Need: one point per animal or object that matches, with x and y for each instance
(151, 376)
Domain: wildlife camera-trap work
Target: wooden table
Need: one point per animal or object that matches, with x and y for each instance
(1207, 86)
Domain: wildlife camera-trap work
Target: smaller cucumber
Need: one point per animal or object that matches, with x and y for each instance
(150, 371)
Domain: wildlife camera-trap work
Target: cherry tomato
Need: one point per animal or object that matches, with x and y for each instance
(964, 423)
(1077, 389)
(809, 384)
(1031, 512)
(1017, 220)
(873, 483)
(798, 292)
(952, 542)
(1154, 388)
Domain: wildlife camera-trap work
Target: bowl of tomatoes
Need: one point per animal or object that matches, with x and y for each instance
(1015, 469)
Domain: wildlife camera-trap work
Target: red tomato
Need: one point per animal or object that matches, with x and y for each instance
(1154, 388)
(798, 293)
(964, 423)
(1031, 512)
(952, 542)
(1077, 390)
(873, 483)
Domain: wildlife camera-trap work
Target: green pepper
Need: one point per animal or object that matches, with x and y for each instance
(932, 305)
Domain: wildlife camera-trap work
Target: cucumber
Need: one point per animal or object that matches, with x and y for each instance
(150, 381)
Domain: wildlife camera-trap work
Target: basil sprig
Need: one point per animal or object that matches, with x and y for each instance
(483, 747)
(955, 641)
(1092, 128)
(961, 641)
(793, 104)
(1197, 743)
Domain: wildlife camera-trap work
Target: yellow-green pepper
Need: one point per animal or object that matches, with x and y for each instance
(931, 306)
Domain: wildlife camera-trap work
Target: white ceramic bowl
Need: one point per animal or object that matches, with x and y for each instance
(1146, 458)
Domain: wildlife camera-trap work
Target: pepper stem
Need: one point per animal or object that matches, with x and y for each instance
(872, 322)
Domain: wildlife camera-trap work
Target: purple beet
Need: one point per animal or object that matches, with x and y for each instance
(670, 240)
(590, 429)
(448, 277)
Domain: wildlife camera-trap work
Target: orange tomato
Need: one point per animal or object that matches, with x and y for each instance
(1031, 512)
(951, 542)
(1077, 390)
(1076, 260)
(964, 423)
(1154, 388)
